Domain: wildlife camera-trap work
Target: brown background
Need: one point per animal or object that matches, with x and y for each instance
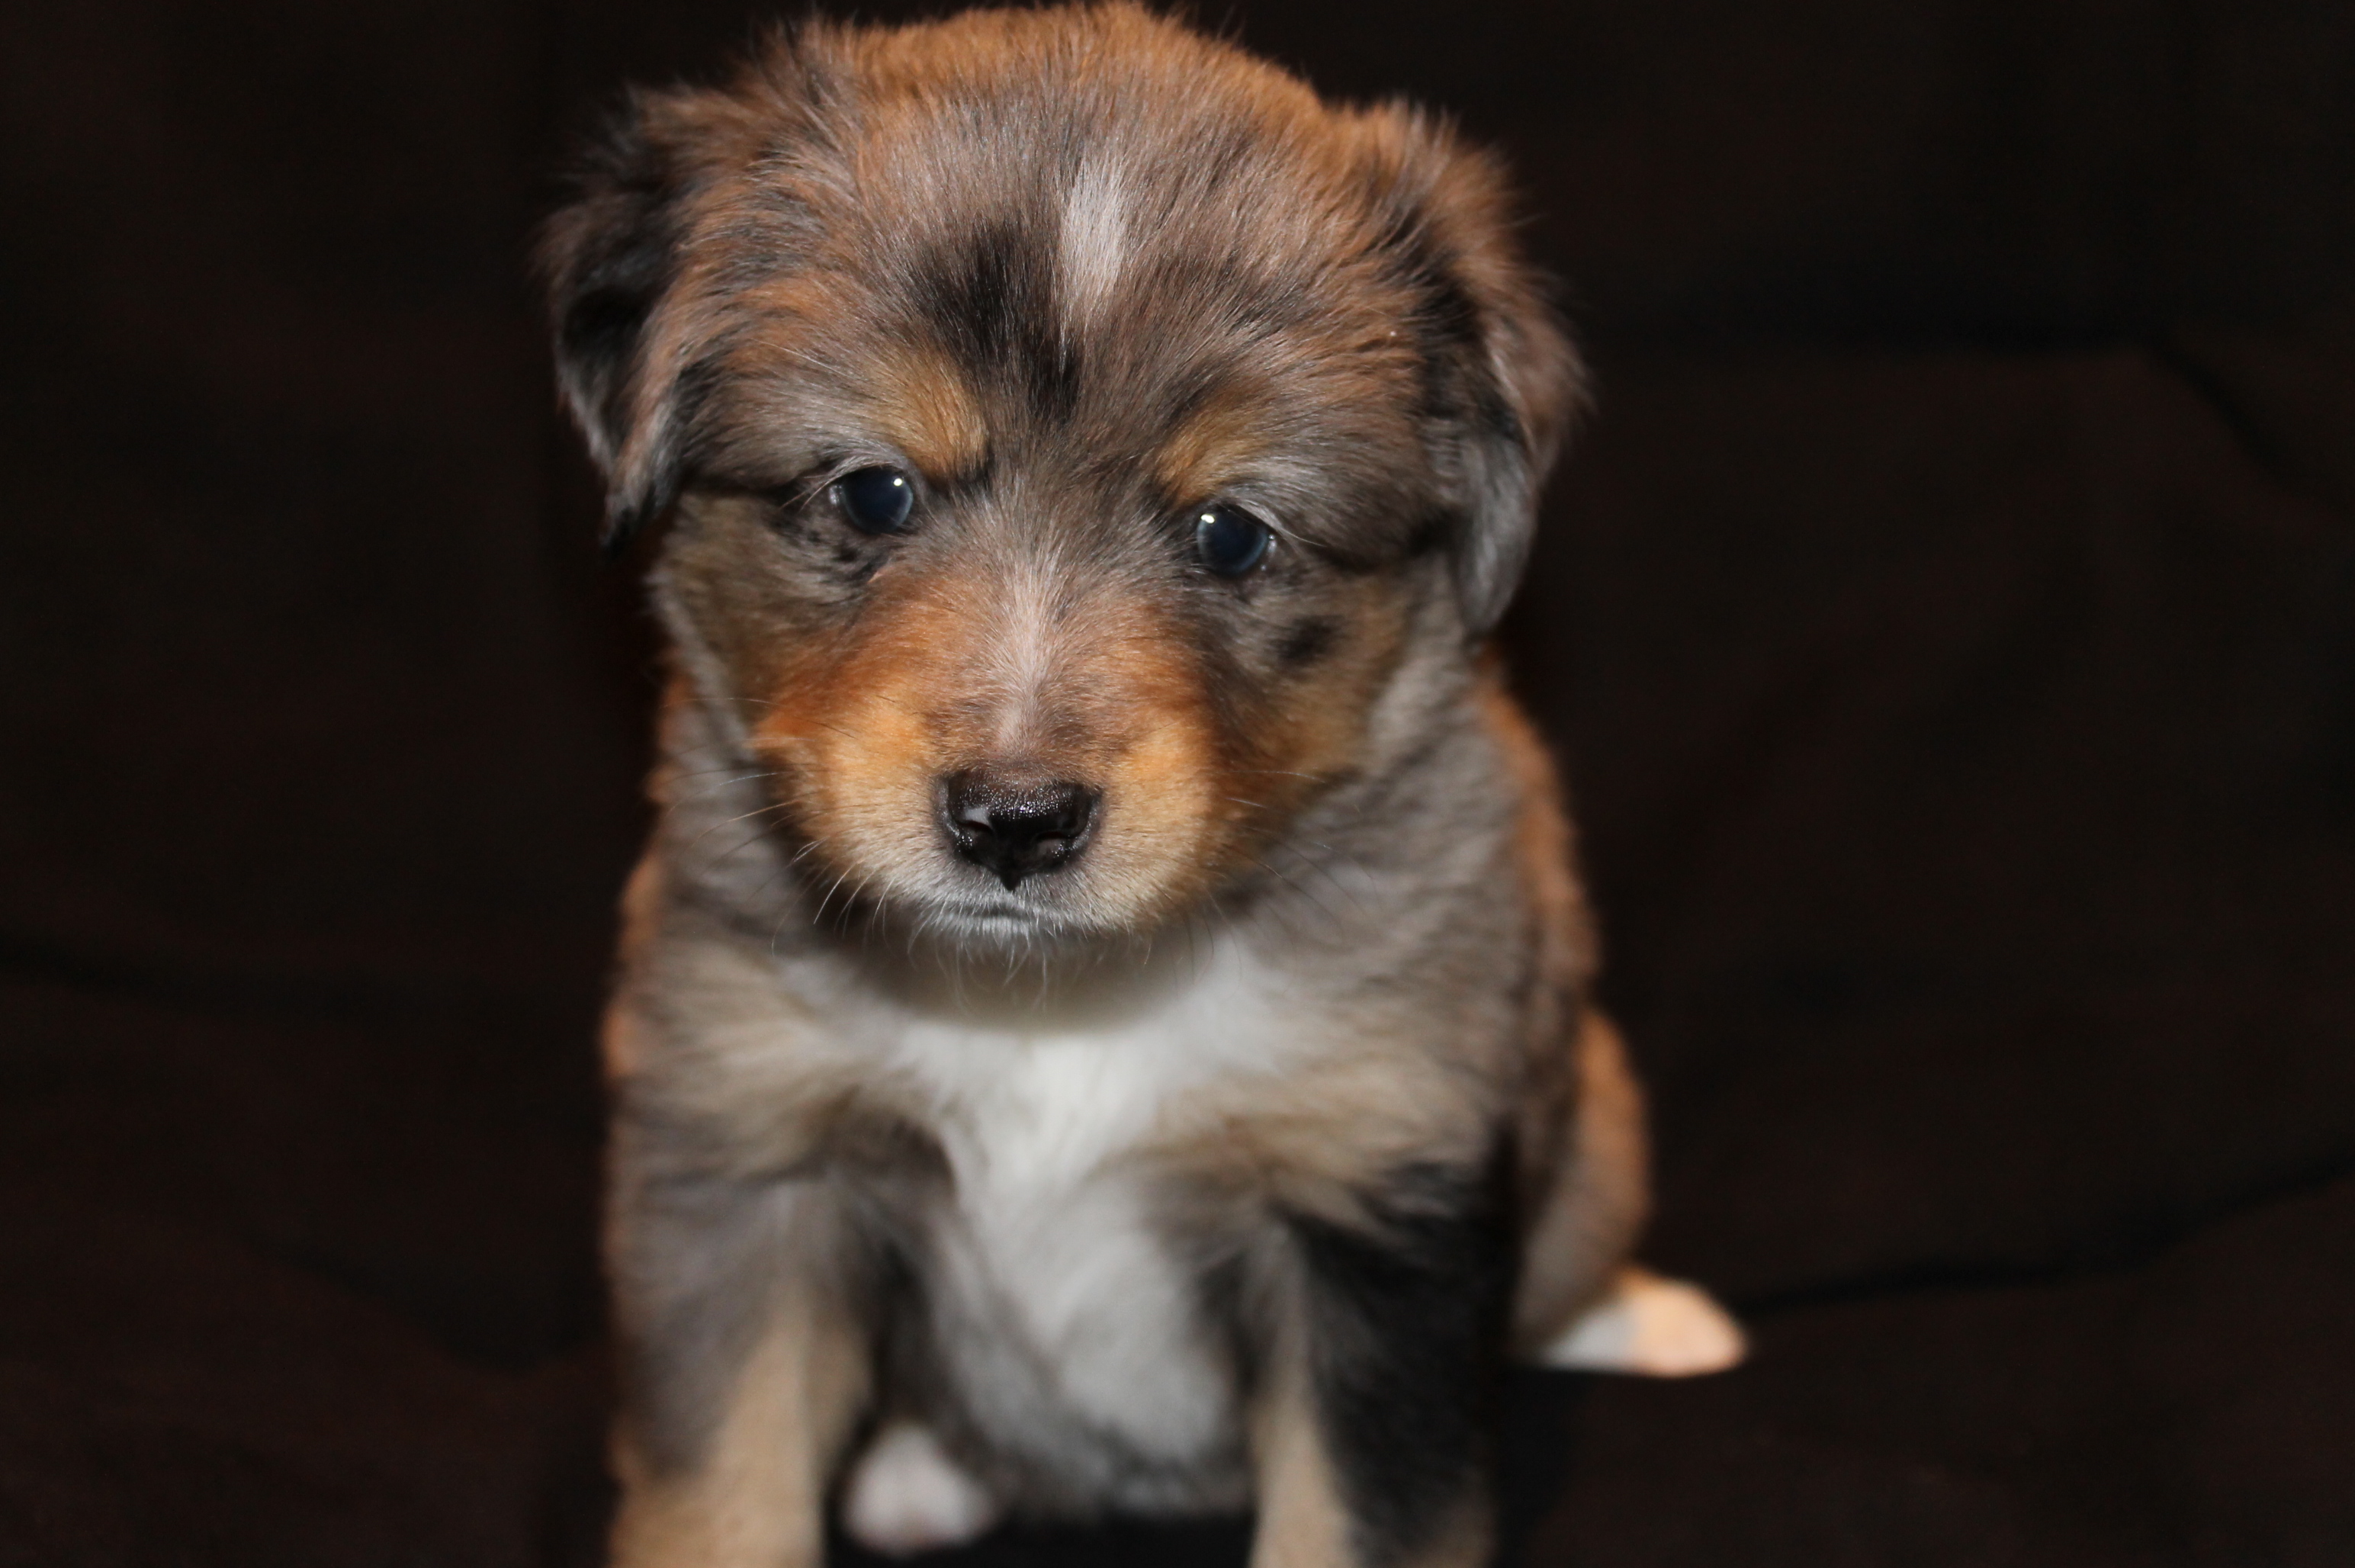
(1948, 623)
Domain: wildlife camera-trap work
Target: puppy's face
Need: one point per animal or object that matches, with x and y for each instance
(1070, 424)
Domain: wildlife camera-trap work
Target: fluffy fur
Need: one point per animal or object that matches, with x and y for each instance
(1221, 1160)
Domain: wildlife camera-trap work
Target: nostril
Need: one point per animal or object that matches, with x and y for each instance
(1058, 811)
(1017, 828)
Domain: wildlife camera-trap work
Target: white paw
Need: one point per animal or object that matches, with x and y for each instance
(907, 1496)
(1660, 1328)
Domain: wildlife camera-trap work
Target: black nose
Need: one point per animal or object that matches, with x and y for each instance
(1015, 827)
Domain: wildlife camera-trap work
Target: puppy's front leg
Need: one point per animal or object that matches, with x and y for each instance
(1370, 1429)
(743, 1368)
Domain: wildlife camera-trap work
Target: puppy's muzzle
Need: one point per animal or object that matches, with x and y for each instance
(1015, 827)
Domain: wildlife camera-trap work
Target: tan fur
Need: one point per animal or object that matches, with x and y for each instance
(1302, 1521)
(923, 405)
(864, 726)
(754, 1499)
(1218, 441)
(861, 724)
(1584, 1221)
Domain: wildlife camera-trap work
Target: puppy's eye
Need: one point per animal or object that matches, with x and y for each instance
(876, 500)
(1229, 541)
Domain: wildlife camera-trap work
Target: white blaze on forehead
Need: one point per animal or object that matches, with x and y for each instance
(1094, 244)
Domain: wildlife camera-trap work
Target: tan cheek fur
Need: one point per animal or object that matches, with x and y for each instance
(846, 722)
(867, 726)
(1303, 732)
(862, 720)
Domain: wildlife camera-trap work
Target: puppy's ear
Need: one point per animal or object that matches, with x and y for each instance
(625, 260)
(608, 256)
(1505, 385)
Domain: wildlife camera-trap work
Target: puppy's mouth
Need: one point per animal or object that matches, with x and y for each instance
(1023, 919)
(1002, 917)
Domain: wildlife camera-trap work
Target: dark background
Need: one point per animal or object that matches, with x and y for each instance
(1948, 623)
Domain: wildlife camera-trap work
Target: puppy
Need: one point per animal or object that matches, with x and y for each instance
(1101, 1022)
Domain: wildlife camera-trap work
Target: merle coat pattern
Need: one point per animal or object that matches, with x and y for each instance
(1101, 1026)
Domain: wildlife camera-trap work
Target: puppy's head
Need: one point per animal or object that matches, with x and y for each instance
(1071, 428)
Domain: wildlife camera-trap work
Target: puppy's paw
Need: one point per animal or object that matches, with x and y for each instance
(1659, 1327)
(907, 1496)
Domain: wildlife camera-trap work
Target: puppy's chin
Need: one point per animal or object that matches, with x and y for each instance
(974, 915)
(1006, 924)
(929, 904)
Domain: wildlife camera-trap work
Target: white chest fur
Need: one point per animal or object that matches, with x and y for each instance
(1064, 1314)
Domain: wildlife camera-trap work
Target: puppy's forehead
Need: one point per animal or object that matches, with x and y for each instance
(1178, 269)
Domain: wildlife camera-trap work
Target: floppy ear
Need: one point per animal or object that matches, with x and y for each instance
(608, 258)
(1505, 385)
(679, 194)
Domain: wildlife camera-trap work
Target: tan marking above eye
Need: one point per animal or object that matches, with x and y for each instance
(909, 394)
(1215, 442)
(920, 402)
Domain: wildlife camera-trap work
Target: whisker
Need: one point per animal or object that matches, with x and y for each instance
(1318, 903)
(1196, 922)
(779, 869)
(756, 811)
(707, 773)
(713, 863)
(851, 903)
(798, 856)
(702, 700)
(1325, 872)
(820, 915)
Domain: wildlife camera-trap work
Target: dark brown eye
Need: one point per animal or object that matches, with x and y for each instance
(1229, 541)
(876, 500)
